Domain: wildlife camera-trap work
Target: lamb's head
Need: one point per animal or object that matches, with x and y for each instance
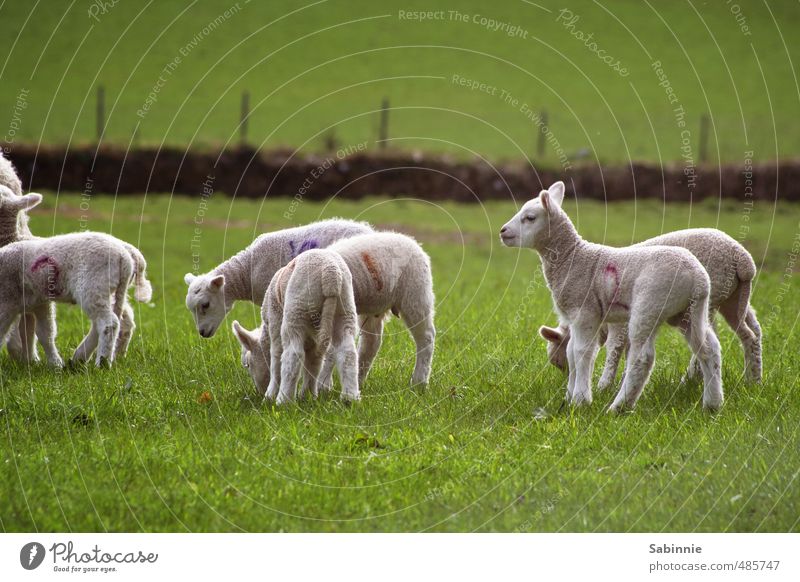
(11, 204)
(205, 298)
(255, 354)
(557, 339)
(532, 226)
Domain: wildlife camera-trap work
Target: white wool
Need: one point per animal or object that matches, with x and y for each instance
(93, 270)
(637, 287)
(390, 272)
(731, 270)
(246, 275)
(308, 308)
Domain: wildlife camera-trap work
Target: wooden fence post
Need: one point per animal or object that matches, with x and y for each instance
(383, 128)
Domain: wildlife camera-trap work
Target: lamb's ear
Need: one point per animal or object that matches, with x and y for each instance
(188, 278)
(243, 336)
(551, 334)
(217, 281)
(556, 193)
(29, 201)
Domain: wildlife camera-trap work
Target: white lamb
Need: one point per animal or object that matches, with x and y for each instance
(246, 275)
(308, 308)
(731, 270)
(639, 287)
(13, 227)
(93, 270)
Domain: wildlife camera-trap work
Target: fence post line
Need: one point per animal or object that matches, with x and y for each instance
(703, 148)
(541, 140)
(244, 117)
(101, 111)
(383, 128)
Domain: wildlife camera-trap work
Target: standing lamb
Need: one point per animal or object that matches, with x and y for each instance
(308, 308)
(731, 270)
(390, 272)
(13, 227)
(639, 287)
(93, 270)
(246, 275)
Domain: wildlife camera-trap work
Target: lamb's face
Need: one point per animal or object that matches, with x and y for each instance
(530, 227)
(557, 339)
(255, 355)
(205, 298)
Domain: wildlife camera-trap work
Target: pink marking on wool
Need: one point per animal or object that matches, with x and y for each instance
(51, 284)
(611, 271)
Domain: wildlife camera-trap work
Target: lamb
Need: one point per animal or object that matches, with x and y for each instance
(89, 269)
(14, 227)
(309, 307)
(391, 273)
(731, 270)
(246, 275)
(638, 287)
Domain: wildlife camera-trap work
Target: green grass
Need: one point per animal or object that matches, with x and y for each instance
(327, 66)
(484, 448)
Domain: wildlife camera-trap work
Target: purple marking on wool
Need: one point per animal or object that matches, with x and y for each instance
(306, 245)
(611, 271)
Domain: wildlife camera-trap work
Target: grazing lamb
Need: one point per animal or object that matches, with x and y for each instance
(638, 287)
(731, 270)
(246, 276)
(309, 307)
(390, 272)
(93, 270)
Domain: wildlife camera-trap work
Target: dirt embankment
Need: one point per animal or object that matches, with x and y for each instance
(253, 174)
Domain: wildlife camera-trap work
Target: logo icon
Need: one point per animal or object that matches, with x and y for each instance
(31, 555)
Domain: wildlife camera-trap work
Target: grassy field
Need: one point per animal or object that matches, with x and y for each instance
(173, 437)
(174, 73)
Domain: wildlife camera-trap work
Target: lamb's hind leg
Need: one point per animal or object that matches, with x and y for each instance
(737, 312)
(291, 363)
(419, 320)
(344, 350)
(369, 344)
(46, 333)
(21, 341)
(615, 346)
(639, 362)
(709, 356)
(126, 327)
(106, 325)
(313, 363)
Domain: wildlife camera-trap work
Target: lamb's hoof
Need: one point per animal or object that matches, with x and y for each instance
(282, 399)
(57, 364)
(74, 365)
(581, 400)
(347, 400)
(602, 386)
(102, 362)
(712, 405)
(419, 386)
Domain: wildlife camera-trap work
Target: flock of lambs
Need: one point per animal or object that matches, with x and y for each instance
(325, 290)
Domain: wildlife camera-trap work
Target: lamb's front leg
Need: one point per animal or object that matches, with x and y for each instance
(638, 366)
(87, 347)
(369, 344)
(291, 362)
(584, 346)
(276, 352)
(22, 339)
(46, 333)
(616, 345)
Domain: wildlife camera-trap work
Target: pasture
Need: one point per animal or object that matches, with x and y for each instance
(626, 81)
(173, 438)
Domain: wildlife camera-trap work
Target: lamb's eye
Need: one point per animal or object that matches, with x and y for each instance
(205, 305)
(529, 218)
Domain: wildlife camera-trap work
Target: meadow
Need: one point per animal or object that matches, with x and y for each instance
(625, 80)
(174, 438)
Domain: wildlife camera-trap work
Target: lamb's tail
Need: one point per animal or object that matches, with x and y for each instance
(143, 291)
(745, 267)
(698, 313)
(332, 278)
